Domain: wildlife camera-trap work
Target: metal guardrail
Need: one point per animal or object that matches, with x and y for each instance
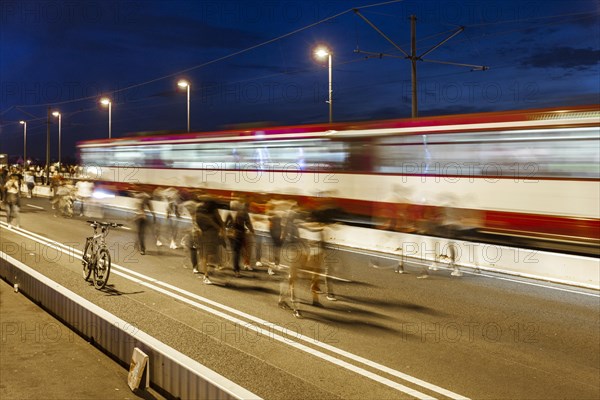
(171, 372)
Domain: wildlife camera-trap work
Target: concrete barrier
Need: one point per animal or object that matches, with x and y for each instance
(171, 372)
(548, 266)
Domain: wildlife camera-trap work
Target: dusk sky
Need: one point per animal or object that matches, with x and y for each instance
(252, 62)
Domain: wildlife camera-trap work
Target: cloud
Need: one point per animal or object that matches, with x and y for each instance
(563, 57)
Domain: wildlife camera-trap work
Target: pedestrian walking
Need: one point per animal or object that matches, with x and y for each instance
(12, 194)
(3, 181)
(30, 183)
(84, 190)
(297, 255)
(241, 227)
(141, 218)
(172, 199)
(211, 224)
(275, 233)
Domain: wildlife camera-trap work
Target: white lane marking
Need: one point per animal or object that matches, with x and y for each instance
(374, 253)
(279, 338)
(326, 346)
(344, 364)
(514, 280)
(38, 207)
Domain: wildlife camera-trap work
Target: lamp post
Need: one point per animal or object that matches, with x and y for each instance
(185, 84)
(24, 123)
(58, 114)
(323, 52)
(105, 101)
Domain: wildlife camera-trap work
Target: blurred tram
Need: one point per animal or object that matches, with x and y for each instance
(529, 178)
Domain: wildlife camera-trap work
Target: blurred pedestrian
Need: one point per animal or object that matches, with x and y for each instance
(325, 213)
(241, 226)
(254, 246)
(210, 223)
(3, 180)
(54, 184)
(141, 218)
(84, 190)
(30, 182)
(191, 239)
(172, 199)
(314, 262)
(297, 255)
(12, 201)
(64, 199)
(277, 211)
(275, 233)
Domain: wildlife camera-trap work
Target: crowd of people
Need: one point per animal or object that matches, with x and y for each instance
(214, 238)
(221, 232)
(217, 238)
(17, 182)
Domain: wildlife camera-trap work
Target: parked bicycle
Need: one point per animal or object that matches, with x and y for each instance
(96, 257)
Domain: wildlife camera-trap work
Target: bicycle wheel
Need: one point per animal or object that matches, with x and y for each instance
(87, 259)
(102, 269)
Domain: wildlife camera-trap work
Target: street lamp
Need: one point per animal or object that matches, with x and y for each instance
(185, 84)
(58, 114)
(323, 52)
(105, 101)
(24, 123)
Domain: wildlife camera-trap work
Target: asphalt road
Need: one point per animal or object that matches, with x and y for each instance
(389, 336)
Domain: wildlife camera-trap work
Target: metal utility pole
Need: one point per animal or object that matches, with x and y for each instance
(48, 146)
(413, 64)
(413, 57)
(330, 93)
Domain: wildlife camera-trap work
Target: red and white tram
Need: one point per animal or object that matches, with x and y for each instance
(521, 175)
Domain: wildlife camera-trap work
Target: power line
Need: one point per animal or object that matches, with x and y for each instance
(584, 15)
(413, 57)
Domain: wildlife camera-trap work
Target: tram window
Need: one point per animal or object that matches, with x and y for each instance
(98, 157)
(303, 154)
(544, 152)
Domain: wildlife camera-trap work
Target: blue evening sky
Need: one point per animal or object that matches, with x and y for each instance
(251, 62)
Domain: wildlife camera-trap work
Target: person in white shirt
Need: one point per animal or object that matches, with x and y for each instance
(85, 189)
(30, 182)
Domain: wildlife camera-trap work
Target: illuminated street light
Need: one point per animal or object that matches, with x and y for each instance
(58, 114)
(105, 101)
(24, 123)
(323, 52)
(185, 84)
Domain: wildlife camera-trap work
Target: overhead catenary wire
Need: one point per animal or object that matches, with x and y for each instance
(579, 16)
(128, 106)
